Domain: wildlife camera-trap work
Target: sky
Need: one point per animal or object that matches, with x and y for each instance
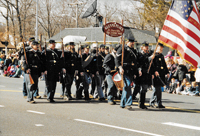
(123, 5)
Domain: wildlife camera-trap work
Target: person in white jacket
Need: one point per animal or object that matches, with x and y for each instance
(197, 76)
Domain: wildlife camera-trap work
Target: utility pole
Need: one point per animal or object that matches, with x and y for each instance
(76, 4)
(36, 27)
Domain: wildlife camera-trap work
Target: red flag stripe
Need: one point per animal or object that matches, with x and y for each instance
(196, 9)
(181, 43)
(184, 22)
(176, 34)
(196, 15)
(179, 48)
(186, 30)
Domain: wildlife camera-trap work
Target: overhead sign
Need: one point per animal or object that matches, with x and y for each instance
(113, 29)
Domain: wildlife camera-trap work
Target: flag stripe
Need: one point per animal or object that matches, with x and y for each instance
(196, 10)
(194, 22)
(181, 44)
(175, 24)
(178, 35)
(179, 48)
(194, 16)
(184, 22)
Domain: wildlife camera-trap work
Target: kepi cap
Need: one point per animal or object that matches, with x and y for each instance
(107, 48)
(131, 39)
(160, 44)
(71, 43)
(31, 39)
(102, 46)
(86, 46)
(52, 41)
(145, 43)
(35, 43)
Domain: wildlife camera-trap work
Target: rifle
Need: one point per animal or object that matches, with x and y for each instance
(122, 61)
(152, 59)
(31, 79)
(40, 47)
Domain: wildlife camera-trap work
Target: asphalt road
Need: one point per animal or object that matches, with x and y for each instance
(79, 118)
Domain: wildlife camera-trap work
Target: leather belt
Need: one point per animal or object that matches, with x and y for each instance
(34, 66)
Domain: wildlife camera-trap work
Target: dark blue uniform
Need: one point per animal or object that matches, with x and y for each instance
(130, 71)
(35, 65)
(53, 67)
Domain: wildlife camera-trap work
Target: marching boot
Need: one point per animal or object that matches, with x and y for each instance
(142, 101)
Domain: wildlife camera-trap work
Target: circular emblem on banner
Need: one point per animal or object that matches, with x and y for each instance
(113, 29)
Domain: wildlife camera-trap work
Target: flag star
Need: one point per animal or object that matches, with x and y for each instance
(181, 6)
(186, 15)
(188, 1)
(186, 11)
(185, 5)
(188, 8)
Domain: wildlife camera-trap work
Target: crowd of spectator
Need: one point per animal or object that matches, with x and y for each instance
(10, 65)
(184, 78)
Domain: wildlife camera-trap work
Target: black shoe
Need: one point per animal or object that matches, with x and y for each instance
(143, 107)
(101, 99)
(87, 99)
(135, 98)
(50, 100)
(152, 106)
(160, 106)
(79, 98)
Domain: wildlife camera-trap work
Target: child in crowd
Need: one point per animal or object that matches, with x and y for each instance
(12, 71)
(194, 90)
(182, 88)
(172, 86)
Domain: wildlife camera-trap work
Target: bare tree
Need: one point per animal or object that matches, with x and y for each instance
(6, 5)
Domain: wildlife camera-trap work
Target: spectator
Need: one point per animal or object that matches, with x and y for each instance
(181, 71)
(172, 69)
(169, 55)
(7, 61)
(183, 88)
(191, 73)
(172, 86)
(2, 57)
(5, 72)
(15, 60)
(18, 72)
(1, 67)
(194, 90)
(12, 71)
(197, 77)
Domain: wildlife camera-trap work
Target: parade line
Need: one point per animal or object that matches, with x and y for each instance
(147, 104)
(111, 126)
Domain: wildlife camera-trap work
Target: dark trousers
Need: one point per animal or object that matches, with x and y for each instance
(136, 91)
(69, 85)
(156, 95)
(24, 86)
(84, 85)
(143, 90)
(93, 86)
(51, 88)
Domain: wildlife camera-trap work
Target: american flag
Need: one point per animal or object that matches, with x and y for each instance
(181, 30)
